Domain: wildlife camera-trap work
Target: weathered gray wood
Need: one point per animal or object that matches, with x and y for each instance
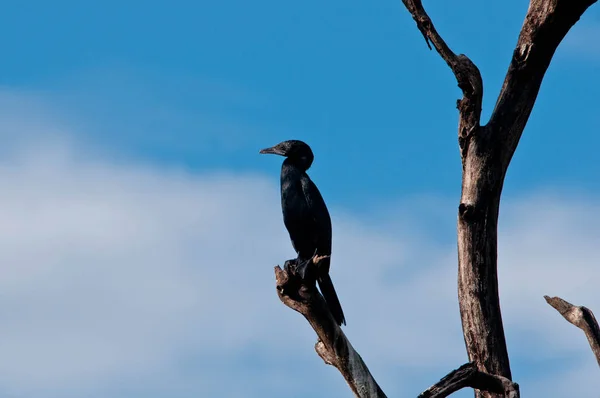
(581, 317)
(469, 376)
(332, 346)
(486, 152)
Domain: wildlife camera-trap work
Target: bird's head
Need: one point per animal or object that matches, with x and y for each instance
(298, 152)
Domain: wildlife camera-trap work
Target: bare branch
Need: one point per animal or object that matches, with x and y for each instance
(469, 376)
(333, 346)
(466, 73)
(546, 24)
(581, 317)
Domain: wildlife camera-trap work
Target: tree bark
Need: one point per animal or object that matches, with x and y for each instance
(486, 152)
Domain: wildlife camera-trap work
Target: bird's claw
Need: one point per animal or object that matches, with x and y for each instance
(290, 266)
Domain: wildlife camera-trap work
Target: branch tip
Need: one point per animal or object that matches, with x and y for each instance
(582, 317)
(465, 71)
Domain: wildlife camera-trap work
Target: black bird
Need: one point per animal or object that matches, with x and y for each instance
(306, 217)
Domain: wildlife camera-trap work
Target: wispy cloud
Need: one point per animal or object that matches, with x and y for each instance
(121, 279)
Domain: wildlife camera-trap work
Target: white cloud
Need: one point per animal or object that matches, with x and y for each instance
(126, 277)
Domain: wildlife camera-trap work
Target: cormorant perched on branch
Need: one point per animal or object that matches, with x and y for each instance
(306, 217)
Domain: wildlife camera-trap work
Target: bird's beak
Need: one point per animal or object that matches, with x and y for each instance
(272, 150)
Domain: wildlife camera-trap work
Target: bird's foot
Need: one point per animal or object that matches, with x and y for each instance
(290, 266)
(297, 267)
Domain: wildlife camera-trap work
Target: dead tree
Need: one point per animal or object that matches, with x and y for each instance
(486, 152)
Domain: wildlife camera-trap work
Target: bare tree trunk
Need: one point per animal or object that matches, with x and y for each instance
(486, 152)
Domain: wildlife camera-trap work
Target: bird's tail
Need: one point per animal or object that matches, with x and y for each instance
(328, 292)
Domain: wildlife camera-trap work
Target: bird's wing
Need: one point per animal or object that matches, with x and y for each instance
(299, 219)
(319, 216)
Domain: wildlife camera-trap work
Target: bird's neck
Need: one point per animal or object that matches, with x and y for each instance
(293, 165)
(290, 174)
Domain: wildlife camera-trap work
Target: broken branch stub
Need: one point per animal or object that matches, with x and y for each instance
(583, 318)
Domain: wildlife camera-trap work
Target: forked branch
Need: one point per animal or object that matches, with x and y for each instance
(486, 152)
(581, 317)
(469, 376)
(332, 346)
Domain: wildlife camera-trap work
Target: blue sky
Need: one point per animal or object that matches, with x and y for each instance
(107, 105)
